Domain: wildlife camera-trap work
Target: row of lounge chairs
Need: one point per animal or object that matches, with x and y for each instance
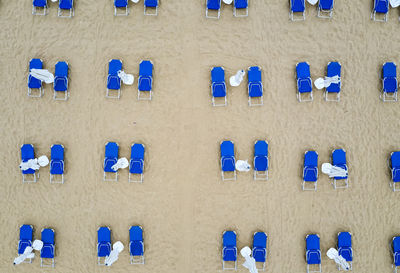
(298, 9)
(121, 7)
(47, 253)
(254, 86)
(65, 8)
(136, 244)
(136, 163)
(213, 8)
(56, 164)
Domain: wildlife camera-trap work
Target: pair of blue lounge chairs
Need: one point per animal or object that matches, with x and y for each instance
(381, 8)
(395, 170)
(228, 161)
(240, 8)
(47, 253)
(56, 164)
(325, 9)
(136, 163)
(310, 169)
(145, 80)
(150, 7)
(254, 86)
(313, 250)
(304, 82)
(229, 249)
(389, 82)
(136, 244)
(64, 6)
(60, 84)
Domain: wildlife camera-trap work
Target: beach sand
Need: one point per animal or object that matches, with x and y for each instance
(183, 206)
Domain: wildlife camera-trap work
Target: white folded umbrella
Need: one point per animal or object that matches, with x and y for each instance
(333, 171)
(326, 82)
(113, 257)
(28, 252)
(312, 2)
(35, 163)
(242, 166)
(122, 163)
(237, 79)
(333, 254)
(42, 74)
(394, 3)
(250, 262)
(126, 78)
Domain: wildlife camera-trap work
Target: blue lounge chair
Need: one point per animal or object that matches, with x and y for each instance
(103, 244)
(297, 6)
(25, 240)
(395, 170)
(151, 5)
(60, 84)
(34, 83)
(325, 8)
(241, 5)
(381, 7)
(218, 86)
(260, 161)
(48, 249)
(66, 5)
(136, 246)
(389, 82)
(145, 81)
(344, 247)
(333, 69)
(227, 159)
(136, 163)
(38, 5)
(339, 160)
(214, 5)
(57, 163)
(313, 253)
(304, 83)
(396, 252)
(121, 5)
(260, 248)
(27, 153)
(255, 86)
(310, 170)
(229, 250)
(113, 80)
(110, 159)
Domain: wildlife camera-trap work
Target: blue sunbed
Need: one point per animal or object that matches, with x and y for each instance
(57, 163)
(110, 159)
(325, 8)
(260, 248)
(66, 5)
(260, 161)
(25, 239)
(60, 84)
(297, 6)
(47, 251)
(27, 153)
(103, 244)
(395, 169)
(121, 5)
(227, 159)
(304, 83)
(333, 69)
(218, 86)
(229, 250)
(145, 81)
(136, 246)
(389, 82)
(214, 5)
(39, 5)
(151, 5)
(255, 86)
(339, 160)
(136, 163)
(380, 7)
(313, 252)
(344, 247)
(310, 170)
(113, 80)
(34, 83)
(396, 252)
(240, 5)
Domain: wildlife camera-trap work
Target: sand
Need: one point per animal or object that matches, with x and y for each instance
(183, 206)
